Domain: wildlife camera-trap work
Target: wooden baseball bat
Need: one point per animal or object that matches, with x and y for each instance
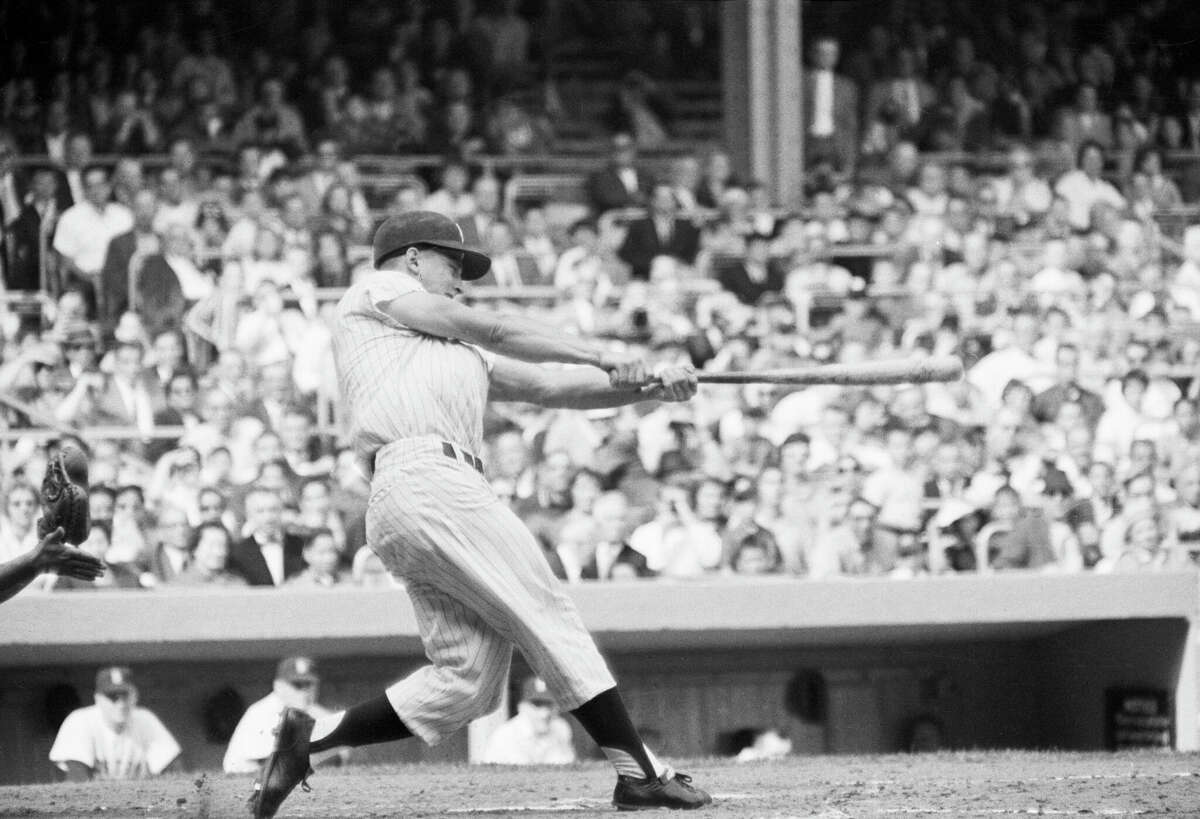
(886, 371)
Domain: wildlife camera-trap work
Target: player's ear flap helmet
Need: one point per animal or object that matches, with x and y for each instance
(424, 227)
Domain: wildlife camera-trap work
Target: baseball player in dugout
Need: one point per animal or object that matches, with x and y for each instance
(113, 739)
(416, 368)
(296, 685)
(536, 735)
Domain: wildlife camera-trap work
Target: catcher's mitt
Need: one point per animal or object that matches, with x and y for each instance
(65, 497)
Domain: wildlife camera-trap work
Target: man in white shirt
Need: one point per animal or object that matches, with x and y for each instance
(677, 543)
(1012, 358)
(86, 228)
(537, 735)
(1084, 187)
(296, 685)
(175, 205)
(113, 739)
(12, 188)
(452, 198)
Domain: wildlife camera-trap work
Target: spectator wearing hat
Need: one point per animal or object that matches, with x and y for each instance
(296, 685)
(1058, 499)
(536, 735)
(660, 233)
(113, 739)
(952, 536)
(1145, 547)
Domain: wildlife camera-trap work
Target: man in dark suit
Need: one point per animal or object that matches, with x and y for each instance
(831, 115)
(756, 275)
(620, 184)
(29, 236)
(1048, 402)
(659, 233)
(268, 557)
(611, 514)
(141, 242)
(171, 555)
(51, 139)
(12, 198)
(1190, 116)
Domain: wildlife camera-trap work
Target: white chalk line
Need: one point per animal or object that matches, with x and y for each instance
(1010, 812)
(569, 805)
(589, 804)
(1067, 778)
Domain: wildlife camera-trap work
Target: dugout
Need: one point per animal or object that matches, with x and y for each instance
(1001, 661)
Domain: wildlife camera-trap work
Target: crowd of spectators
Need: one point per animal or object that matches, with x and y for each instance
(186, 314)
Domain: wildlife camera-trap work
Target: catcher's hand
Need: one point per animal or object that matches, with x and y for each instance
(66, 561)
(64, 497)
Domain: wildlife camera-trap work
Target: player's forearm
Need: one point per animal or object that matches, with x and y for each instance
(525, 340)
(16, 574)
(585, 389)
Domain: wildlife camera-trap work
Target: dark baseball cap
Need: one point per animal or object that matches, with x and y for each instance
(424, 227)
(114, 680)
(297, 669)
(535, 689)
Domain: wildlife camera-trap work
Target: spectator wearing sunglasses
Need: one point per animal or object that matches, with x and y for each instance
(114, 739)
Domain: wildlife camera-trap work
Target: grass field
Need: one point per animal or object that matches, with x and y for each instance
(959, 784)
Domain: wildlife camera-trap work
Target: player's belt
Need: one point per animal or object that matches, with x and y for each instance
(451, 451)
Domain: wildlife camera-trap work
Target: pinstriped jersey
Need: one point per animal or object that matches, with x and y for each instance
(397, 382)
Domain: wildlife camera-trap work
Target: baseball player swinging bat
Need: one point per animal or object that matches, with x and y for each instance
(888, 371)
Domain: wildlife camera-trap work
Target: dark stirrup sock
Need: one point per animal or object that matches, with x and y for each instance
(604, 717)
(365, 724)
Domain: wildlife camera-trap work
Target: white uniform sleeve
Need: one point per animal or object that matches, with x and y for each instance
(160, 747)
(252, 740)
(564, 750)
(383, 288)
(503, 747)
(489, 358)
(74, 742)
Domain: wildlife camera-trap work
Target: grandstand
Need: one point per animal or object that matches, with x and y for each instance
(186, 190)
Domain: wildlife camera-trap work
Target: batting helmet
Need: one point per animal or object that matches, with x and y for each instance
(424, 227)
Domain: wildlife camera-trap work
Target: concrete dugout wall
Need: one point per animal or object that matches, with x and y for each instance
(1016, 661)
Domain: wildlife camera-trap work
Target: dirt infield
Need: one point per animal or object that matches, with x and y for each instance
(961, 784)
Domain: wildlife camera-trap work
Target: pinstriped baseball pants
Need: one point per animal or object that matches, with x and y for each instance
(479, 585)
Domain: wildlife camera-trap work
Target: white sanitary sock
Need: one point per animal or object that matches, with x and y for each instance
(626, 765)
(325, 724)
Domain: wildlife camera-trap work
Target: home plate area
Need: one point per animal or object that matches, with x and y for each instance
(828, 787)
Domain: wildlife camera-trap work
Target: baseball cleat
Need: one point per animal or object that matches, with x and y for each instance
(673, 790)
(286, 767)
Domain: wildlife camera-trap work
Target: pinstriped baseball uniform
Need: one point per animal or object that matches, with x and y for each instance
(475, 574)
